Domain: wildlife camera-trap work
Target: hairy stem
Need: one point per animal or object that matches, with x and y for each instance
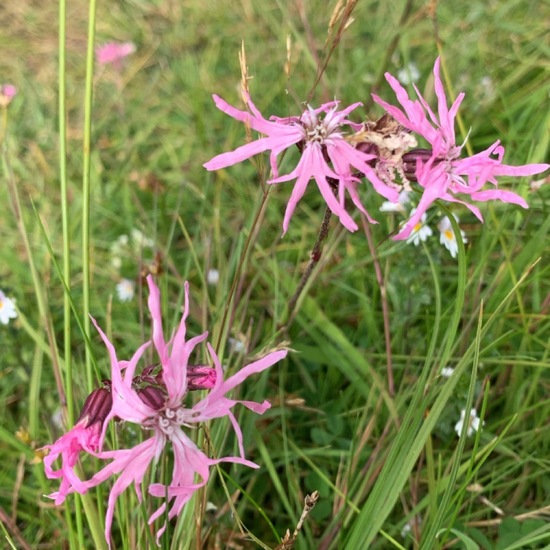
(385, 309)
(314, 260)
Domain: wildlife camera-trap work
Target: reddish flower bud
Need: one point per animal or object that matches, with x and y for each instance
(410, 160)
(152, 396)
(97, 406)
(200, 377)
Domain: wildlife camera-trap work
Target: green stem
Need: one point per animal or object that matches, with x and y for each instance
(65, 210)
(239, 271)
(313, 261)
(86, 163)
(62, 123)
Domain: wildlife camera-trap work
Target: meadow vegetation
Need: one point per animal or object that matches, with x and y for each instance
(360, 410)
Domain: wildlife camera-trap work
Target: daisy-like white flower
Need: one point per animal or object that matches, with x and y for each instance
(156, 403)
(447, 236)
(7, 309)
(420, 232)
(114, 52)
(473, 423)
(125, 290)
(326, 156)
(445, 175)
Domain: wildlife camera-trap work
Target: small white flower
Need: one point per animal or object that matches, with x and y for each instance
(447, 236)
(408, 527)
(408, 74)
(447, 372)
(236, 345)
(213, 277)
(486, 89)
(140, 241)
(7, 309)
(473, 424)
(125, 290)
(126, 246)
(117, 250)
(535, 185)
(58, 420)
(420, 231)
(211, 507)
(398, 206)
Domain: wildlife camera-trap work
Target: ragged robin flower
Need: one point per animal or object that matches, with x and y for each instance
(84, 436)
(155, 401)
(326, 155)
(442, 171)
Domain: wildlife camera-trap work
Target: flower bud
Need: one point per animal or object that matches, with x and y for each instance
(411, 158)
(200, 377)
(152, 396)
(97, 406)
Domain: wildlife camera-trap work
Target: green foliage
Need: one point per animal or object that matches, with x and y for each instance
(380, 460)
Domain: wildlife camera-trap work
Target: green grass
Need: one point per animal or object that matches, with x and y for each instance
(379, 461)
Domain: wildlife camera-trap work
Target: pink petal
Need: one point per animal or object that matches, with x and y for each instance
(501, 195)
(154, 308)
(114, 51)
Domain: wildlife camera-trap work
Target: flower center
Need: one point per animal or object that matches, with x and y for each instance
(168, 420)
(317, 133)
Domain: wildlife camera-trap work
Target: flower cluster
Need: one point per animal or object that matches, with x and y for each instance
(347, 160)
(421, 230)
(339, 154)
(154, 400)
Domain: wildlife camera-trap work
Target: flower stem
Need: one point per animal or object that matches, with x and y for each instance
(385, 308)
(65, 210)
(86, 169)
(313, 261)
(238, 274)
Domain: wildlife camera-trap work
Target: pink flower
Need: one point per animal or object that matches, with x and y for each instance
(156, 404)
(84, 436)
(114, 52)
(7, 93)
(325, 155)
(444, 175)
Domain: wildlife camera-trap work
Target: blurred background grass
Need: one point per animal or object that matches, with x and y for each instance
(332, 425)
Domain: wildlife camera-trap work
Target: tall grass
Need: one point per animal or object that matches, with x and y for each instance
(91, 153)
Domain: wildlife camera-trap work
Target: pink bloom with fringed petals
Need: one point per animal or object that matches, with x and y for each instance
(164, 416)
(324, 154)
(68, 447)
(84, 436)
(445, 175)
